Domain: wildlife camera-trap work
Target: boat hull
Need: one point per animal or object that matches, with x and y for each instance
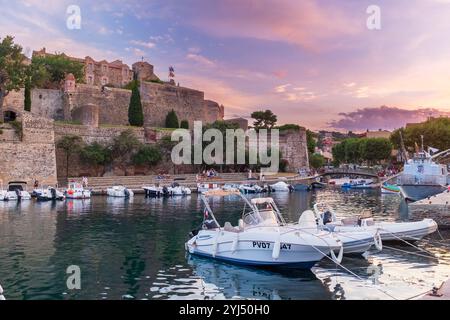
(257, 249)
(395, 231)
(414, 192)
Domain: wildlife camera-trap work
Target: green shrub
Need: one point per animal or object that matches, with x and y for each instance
(184, 124)
(172, 120)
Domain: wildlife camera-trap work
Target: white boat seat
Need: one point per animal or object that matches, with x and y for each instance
(228, 227)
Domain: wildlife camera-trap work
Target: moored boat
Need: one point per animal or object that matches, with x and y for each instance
(77, 191)
(262, 238)
(48, 194)
(389, 231)
(280, 187)
(422, 177)
(119, 192)
(389, 188)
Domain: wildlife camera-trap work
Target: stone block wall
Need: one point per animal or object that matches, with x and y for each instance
(294, 149)
(33, 157)
(47, 103)
(159, 99)
(113, 103)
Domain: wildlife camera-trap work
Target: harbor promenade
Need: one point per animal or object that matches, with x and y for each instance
(98, 185)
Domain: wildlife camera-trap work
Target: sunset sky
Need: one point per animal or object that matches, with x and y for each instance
(314, 63)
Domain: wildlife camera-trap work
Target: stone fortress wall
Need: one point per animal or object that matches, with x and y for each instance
(99, 114)
(33, 156)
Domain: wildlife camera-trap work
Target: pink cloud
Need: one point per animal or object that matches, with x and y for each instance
(383, 117)
(303, 23)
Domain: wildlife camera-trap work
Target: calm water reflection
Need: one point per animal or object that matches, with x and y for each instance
(135, 249)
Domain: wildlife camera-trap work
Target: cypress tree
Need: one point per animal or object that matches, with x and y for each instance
(172, 120)
(27, 100)
(135, 113)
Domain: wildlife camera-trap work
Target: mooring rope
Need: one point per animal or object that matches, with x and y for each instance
(346, 269)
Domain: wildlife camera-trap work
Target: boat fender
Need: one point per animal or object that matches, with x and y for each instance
(337, 259)
(276, 249)
(377, 240)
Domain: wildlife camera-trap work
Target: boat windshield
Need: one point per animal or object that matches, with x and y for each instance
(264, 218)
(264, 213)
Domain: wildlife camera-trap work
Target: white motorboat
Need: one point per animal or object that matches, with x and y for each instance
(389, 231)
(262, 238)
(77, 191)
(153, 191)
(280, 187)
(250, 188)
(176, 190)
(205, 187)
(16, 191)
(119, 192)
(48, 194)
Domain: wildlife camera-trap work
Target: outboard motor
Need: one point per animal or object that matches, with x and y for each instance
(327, 217)
(127, 193)
(53, 193)
(165, 191)
(19, 195)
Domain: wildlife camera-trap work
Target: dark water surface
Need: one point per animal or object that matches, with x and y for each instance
(135, 249)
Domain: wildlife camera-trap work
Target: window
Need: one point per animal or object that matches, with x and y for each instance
(104, 81)
(105, 68)
(90, 80)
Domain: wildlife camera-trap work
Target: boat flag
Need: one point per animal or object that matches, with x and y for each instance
(205, 214)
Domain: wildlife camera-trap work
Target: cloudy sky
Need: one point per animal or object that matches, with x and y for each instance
(313, 62)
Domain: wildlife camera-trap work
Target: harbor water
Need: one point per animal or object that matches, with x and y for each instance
(134, 249)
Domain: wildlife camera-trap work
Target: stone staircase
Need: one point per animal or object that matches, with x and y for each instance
(135, 183)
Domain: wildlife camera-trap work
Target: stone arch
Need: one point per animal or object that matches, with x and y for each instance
(10, 115)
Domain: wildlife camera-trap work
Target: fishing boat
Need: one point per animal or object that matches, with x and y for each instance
(422, 177)
(389, 231)
(262, 238)
(119, 192)
(280, 187)
(387, 188)
(441, 199)
(77, 191)
(48, 194)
